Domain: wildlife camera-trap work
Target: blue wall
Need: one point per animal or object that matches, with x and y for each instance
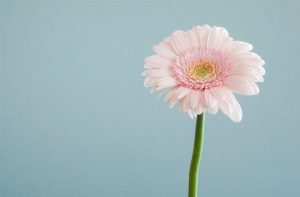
(77, 121)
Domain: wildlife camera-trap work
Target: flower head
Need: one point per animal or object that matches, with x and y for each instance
(201, 69)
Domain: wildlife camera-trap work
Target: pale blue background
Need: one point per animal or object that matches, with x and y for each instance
(77, 121)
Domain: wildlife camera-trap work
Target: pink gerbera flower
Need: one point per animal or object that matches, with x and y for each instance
(202, 68)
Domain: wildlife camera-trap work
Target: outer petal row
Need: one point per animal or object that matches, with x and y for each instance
(195, 102)
(200, 36)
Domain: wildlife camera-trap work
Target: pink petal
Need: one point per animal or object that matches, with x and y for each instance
(241, 86)
(209, 98)
(195, 98)
(195, 43)
(248, 58)
(163, 49)
(156, 61)
(182, 92)
(202, 34)
(228, 104)
(180, 42)
(238, 47)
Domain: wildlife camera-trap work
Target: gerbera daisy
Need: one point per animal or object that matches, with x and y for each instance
(201, 69)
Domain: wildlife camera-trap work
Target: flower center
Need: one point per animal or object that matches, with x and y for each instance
(201, 70)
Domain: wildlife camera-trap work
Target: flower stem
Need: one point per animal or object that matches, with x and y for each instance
(194, 168)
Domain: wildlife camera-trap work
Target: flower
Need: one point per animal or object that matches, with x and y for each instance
(202, 68)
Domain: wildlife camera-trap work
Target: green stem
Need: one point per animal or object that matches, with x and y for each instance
(194, 168)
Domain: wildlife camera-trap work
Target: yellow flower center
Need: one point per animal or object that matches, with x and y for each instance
(201, 70)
